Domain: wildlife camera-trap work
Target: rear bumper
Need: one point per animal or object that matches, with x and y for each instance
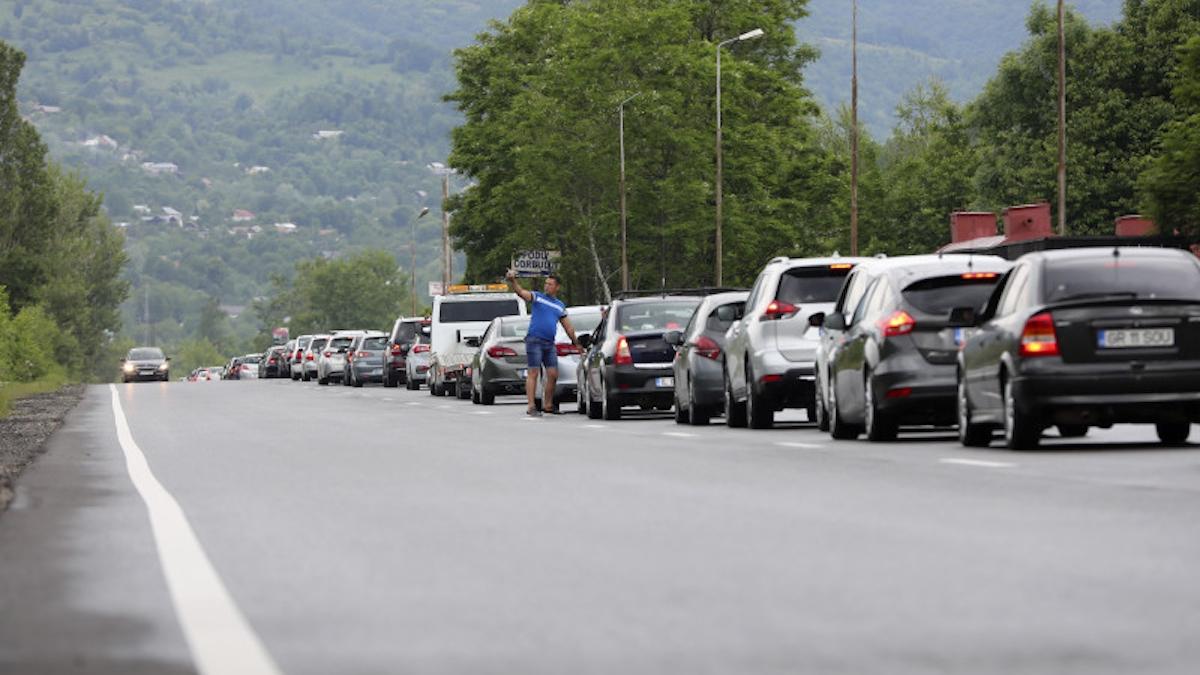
(794, 388)
(641, 386)
(917, 390)
(369, 372)
(1111, 397)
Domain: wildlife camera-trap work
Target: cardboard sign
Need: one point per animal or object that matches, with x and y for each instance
(535, 263)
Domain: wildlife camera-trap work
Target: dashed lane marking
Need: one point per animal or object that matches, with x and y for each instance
(801, 446)
(593, 426)
(960, 461)
(678, 434)
(219, 636)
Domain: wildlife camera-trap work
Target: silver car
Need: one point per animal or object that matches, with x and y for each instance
(500, 365)
(770, 352)
(416, 366)
(364, 360)
(700, 357)
(296, 357)
(312, 353)
(331, 364)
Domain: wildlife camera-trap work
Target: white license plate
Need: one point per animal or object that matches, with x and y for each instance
(663, 382)
(1133, 338)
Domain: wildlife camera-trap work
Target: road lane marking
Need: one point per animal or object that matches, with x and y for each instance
(801, 446)
(678, 434)
(483, 412)
(976, 462)
(217, 633)
(593, 426)
(414, 403)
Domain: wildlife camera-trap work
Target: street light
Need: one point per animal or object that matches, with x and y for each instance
(748, 35)
(624, 238)
(412, 248)
(445, 172)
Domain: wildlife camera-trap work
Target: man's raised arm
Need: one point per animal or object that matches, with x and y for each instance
(516, 287)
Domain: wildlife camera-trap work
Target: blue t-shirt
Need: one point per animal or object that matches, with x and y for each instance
(545, 315)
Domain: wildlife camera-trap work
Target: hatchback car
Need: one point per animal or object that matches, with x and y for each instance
(144, 364)
(500, 366)
(248, 367)
(770, 353)
(270, 366)
(1082, 338)
(628, 363)
(331, 363)
(365, 358)
(895, 363)
(403, 336)
(296, 357)
(699, 359)
(416, 364)
(311, 355)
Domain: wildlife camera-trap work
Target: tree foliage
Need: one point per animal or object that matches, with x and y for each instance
(1171, 184)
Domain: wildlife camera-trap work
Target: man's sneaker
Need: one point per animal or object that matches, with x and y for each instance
(533, 412)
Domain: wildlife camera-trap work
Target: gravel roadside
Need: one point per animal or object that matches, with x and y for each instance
(24, 431)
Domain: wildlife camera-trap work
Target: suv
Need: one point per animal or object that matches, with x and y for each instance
(463, 313)
(770, 351)
(403, 336)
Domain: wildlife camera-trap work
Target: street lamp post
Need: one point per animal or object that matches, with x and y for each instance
(1062, 121)
(854, 131)
(748, 35)
(624, 215)
(412, 248)
(444, 171)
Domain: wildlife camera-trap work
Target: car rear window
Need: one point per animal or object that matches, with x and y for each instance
(477, 310)
(145, 353)
(939, 295)
(375, 343)
(514, 329)
(651, 316)
(318, 343)
(338, 343)
(811, 284)
(1158, 277)
(405, 332)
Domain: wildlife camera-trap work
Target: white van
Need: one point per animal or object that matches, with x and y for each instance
(461, 314)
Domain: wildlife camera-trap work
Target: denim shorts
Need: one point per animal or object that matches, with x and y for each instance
(540, 353)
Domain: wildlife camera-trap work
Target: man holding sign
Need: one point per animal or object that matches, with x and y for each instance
(546, 313)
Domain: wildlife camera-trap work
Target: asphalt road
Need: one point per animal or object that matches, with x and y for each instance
(385, 531)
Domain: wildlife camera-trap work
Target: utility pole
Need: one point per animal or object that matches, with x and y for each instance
(444, 171)
(854, 131)
(624, 215)
(1062, 120)
(720, 251)
(412, 249)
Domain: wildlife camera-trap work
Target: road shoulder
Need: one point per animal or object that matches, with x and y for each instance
(25, 430)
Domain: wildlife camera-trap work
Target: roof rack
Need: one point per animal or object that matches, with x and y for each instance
(625, 295)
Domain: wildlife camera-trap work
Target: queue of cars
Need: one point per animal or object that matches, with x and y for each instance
(1067, 339)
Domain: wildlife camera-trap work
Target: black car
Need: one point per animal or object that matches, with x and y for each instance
(895, 362)
(1084, 338)
(405, 333)
(145, 364)
(699, 369)
(628, 363)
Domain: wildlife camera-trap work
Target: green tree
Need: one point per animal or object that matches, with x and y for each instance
(1170, 186)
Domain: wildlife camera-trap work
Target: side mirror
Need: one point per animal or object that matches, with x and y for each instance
(585, 341)
(728, 314)
(473, 341)
(673, 338)
(963, 317)
(834, 321)
(817, 320)
(168, 359)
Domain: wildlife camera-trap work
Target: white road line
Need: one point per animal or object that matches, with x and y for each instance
(483, 412)
(414, 403)
(593, 426)
(976, 462)
(801, 446)
(220, 638)
(678, 434)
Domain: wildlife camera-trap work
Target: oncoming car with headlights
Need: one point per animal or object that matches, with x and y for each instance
(145, 364)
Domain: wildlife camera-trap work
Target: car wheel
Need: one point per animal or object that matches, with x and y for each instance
(357, 382)
(880, 426)
(697, 414)
(594, 410)
(735, 413)
(681, 413)
(1072, 430)
(1173, 433)
(322, 380)
(487, 398)
(759, 413)
(411, 384)
(463, 391)
(611, 406)
(475, 398)
(1021, 430)
(391, 381)
(839, 429)
(970, 435)
(305, 377)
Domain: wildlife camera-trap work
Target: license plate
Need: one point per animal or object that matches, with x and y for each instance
(663, 382)
(1133, 338)
(146, 372)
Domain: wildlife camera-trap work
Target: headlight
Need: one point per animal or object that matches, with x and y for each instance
(164, 366)
(129, 367)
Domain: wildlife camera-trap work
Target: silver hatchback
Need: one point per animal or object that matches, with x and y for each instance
(500, 365)
(770, 352)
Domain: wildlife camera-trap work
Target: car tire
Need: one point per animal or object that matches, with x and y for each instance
(594, 411)
(463, 392)
(323, 381)
(759, 413)
(411, 385)
(1021, 430)
(1072, 430)
(880, 426)
(681, 413)
(305, 377)
(391, 381)
(735, 413)
(970, 435)
(1173, 433)
(611, 405)
(698, 415)
(839, 429)
(581, 402)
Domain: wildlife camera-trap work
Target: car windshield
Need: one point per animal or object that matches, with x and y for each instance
(585, 322)
(941, 294)
(514, 329)
(652, 316)
(1149, 278)
(145, 354)
(459, 311)
(811, 284)
(375, 344)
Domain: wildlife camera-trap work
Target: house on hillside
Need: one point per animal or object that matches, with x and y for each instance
(256, 170)
(101, 142)
(242, 216)
(171, 216)
(160, 168)
(285, 228)
(326, 134)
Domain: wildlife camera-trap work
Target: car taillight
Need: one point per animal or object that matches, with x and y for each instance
(328, 354)
(623, 356)
(897, 323)
(566, 349)
(779, 309)
(397, 350)
(363, 355)
(1039, 337)
(975, 276)
(420, 349)
(308, 356)
(271, 361)
(498, 352)
(707, 347)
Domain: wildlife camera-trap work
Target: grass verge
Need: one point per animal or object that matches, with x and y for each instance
(11, 391)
